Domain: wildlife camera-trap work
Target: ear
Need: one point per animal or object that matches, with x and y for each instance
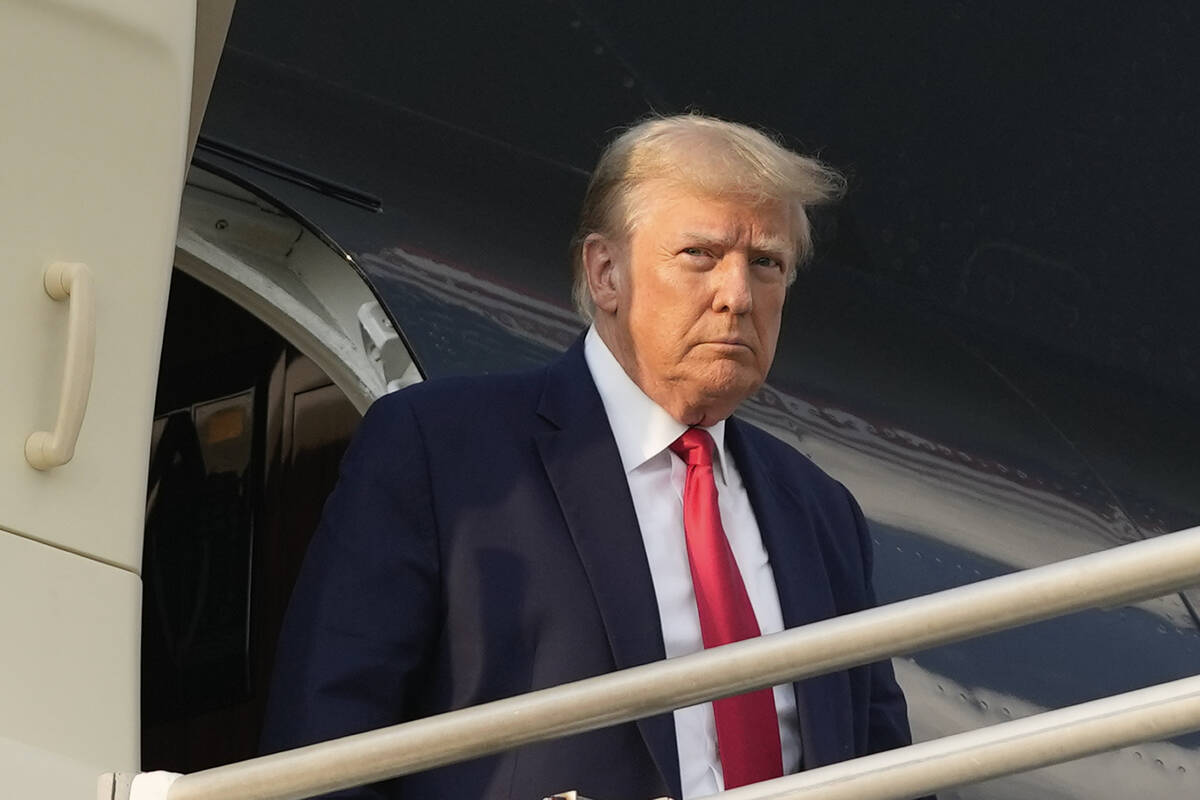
(602, 259)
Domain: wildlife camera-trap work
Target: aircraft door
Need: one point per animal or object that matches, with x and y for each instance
(96, 100)
(97, 107)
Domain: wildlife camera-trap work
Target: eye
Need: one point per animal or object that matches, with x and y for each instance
(697, 257)
(769, 261)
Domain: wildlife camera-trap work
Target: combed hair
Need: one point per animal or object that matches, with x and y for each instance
(708, 155)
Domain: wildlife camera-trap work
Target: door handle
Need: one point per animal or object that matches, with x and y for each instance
(73, 282)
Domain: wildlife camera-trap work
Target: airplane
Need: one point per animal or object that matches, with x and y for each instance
(995, 348)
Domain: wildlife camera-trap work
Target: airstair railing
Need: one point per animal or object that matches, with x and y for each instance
(1051, 737)
(1108, 578)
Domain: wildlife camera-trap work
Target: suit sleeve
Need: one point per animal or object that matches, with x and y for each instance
(363, 618)
(887, 726)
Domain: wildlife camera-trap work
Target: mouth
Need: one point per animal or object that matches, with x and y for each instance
(730, 345)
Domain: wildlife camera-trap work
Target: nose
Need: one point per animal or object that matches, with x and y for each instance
(731, 290)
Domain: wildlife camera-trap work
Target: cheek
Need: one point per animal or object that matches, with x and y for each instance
(668, 307)
(653, 331)
(768, 325)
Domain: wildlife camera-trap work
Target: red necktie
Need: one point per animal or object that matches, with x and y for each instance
(747, 725)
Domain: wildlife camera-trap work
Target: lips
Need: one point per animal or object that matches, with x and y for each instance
(730, 346)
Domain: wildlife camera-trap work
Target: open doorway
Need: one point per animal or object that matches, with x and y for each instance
(248, 436)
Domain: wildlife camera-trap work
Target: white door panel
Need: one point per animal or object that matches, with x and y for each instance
(69, 698)
(95, 101)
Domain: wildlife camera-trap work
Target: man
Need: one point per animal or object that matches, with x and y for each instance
(495, 535)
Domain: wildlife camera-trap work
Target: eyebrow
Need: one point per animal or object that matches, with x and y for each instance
(772, 245)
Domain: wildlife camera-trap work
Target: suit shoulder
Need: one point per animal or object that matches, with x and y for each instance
(454, 399)
(783, 459)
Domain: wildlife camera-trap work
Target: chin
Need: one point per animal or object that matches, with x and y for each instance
(729, 384)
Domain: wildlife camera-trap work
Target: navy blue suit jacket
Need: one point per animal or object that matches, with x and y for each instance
(482, 543)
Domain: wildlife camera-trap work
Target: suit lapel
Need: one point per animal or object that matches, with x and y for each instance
(802, 581)
(584, 467)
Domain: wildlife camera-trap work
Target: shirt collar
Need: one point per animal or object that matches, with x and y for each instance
(640, 426)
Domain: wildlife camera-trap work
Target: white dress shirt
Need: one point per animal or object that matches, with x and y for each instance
(643, 431)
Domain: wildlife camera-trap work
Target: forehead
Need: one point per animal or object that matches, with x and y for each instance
(667, 210)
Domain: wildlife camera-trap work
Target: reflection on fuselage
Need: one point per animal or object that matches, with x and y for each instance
(939, 705)
(914, 484)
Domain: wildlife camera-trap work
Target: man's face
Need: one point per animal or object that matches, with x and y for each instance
(697, 295)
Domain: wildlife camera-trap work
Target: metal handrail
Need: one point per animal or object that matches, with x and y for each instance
(1134, 571)
(1040, 740)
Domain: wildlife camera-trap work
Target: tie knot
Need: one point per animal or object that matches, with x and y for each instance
(695, 447)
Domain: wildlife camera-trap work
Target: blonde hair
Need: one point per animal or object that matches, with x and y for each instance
(708, 155)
